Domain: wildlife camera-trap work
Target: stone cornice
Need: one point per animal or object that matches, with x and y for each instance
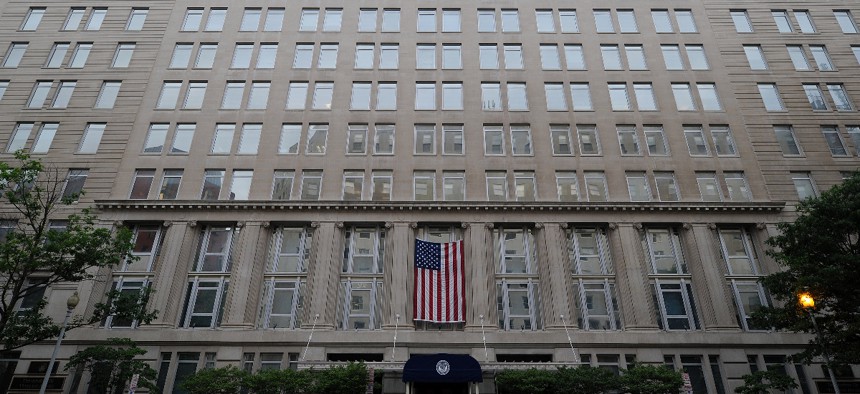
(434, 206)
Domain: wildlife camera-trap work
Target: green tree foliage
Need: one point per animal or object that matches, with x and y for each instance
(764, 382)
(33, 256)
(581, 380)
(536, 381)
(820, 253)
(112, 365)
(348, 379)
(650, 379)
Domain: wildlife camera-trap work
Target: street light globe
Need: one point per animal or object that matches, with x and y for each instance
(806, 300)
(73, 301)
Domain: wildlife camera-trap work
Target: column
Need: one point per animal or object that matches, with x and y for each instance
(171, 276)
(554, 271)
(634, 290)
(709, 283)
(480, 278)
(397, 282)
(324, 276)
(243, 300)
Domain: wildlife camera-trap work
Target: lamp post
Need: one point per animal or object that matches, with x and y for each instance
(71, 303)
(808, 303)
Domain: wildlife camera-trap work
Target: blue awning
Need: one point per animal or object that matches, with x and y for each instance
(442, 368)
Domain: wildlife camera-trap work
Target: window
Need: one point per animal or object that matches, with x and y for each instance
(696, 143)
(488, 57)
(854, 133)
(555, 97)
(182, 139)
(181, 55)
(450, 21)
(521, 141)
(545, 21)
(322, 95)
(39, 94)
(356, 139)
(170, 182)
(136, 19)
(662, 21)
(491, 96)
(741, 21)
(815, 96)
(367, 20)
(242, 56)
(667, 189)
(3, 86)
(574, 57)
(737, 186)
(317, 135)
(672, 57)
(454, 185)
(363, 256)
(19, 137)
(194, 95)
(359, 307)
(217, 16)
(580, 95)
(332, 19)
(425, 56)
(513, 57)
(645, 96)
(92, 137)
(494, 140)
(821, 57)
(755, 57)
(389, 56)
(696, 56)
(709, 188)
(391, 20)
(127, 287)
(267, 55)
(80, 55)
(804, 185)
(43, 140)
(212, 182)
(122, 58)
(74, 184)
(595, 185)
(770, 96)
(628, 140)
(497, 186)
(353, 183)
(783, 23)
(146, 240)
(618, 97)
(364, 56)
(656, 141)
(627, 21)
(283, 294)
(451, 56)
(14, 54)
(426, 20)
(311, 184)
(32, 19)
(386, 96)
(787, 142)
(840, 97)
(561, 141)
(724, 144)
(309, 19)
(425, 96)
(588, 140)
(511, 21)
(193, 17)
(304, 56)
(635, 57)
(108, 94)
(274, 19)
(282, 185)
(804, 20)
(383, 140)
(686, 22)
(611, 57)
(233, 93)
(637, 185)
(566, 183)
(749, 297)
(63, 94)
(381, 185)
(674, 297)
(57, 55)
(154, 142)
(710, 98)
(603, 21)
(360, 96)
(249, 140)
(846, 21)
(517, 296)
(250, 19)
(524, 185)
(486, 21)
(594, 287)
(424, 186)
(452, 95)
(328, 56)
(297, 95)
(204, 303)
(798, 57)
(834, 141)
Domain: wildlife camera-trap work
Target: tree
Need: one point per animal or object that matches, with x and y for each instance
(650, 379)
(585, 380)
(351, 378)
(764, 382)
(273, 381)
(35, 255)
(820, 253)
(225, 380)
(112, 365)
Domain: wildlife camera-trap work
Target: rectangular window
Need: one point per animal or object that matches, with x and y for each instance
(555, 97)
(92, 137)
(425, 139)
(381, 185)
(710, 98)
(697, 58)
(511, 21)
(317, 135)
(249, 140)
(497, 186)
(136, 19)
(454, 185)
(193, 17)
(709, 188)
(517, 100)
(194, 95)
(367, 20)
(323, 95)
(242, 56)
(635, 57)
(815, 96)
(73, 20)
(356, 139)
(561, 141)
(183, 138)
(637, 185)
(804, 20)
(386, 96)
(603, 21)
(580, 96)
(14, 54)
(846, 21)
(251, 19)
(595, 185)
(645, 96)
(597, 305)
(749, 297)
(425, 56)
(854, 134)
(240, 188)
(233, 93)
(783, 23)
(663, 246)
(521, 140)
(282, 186)
(588, 140)
(452, 95)
(389, 56)
(425, 96)
(486, 21)
(426, 20)
(32, 19)
(383, 140)
(215, 21)
(57, 55)
(821, 57)
(309, 19)
(359, 306)
(494, 141)
(274, 19)
(181, 55)
(804, 185)
(311, 185)
(266, 57)
(297, 95)
(170, 182)
(424, 186)
(787, 141)
(80, 55)
(155, 138)
(741, 21)
(327, 56)
(74, 184)
(63, 94)
(675, 303)
(212, 182)
(724, 144)
(672, 57)
(204, 304)
(840, 98)
(452, 139)
(39, 94)
(42, 142)
(513, 56)
(798, 57)
(618, 97)
(549, 57)
(683, 97)
(755, 57)
(108, 94)
(19, 137)
(332, 19)
(545, 21)
(451, 21)
(611, 57)
(696, 142)
(524, 185)
(574, 57)
(364, 56)
(656, 141)
(304, 56)
(97, 16)
(353, 183)
(662, 21)
(360, 99)
(491, 96)
(122, 58)
(686, 22)
(627, 21)
(391, 20)
(281, 309)
(667, 189)
(566, 183)
(737, 186)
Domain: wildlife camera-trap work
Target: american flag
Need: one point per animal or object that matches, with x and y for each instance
(439, 282)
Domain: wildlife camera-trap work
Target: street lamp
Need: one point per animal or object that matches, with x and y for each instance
(71, 303)
(808, 303)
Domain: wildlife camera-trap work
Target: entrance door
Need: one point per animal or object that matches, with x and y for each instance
(441, 388)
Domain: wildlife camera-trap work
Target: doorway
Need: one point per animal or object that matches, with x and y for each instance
(441, 388)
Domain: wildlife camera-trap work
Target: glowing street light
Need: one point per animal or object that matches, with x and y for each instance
(808, 303)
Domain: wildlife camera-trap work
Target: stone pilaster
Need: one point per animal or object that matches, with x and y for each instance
(554, 271)
(480, 277)
(634, 291)
(397, 266)
(171, 272)
(324, 276)
(243, 300)
(709, 282)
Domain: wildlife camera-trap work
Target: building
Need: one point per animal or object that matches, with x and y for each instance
(614, 168)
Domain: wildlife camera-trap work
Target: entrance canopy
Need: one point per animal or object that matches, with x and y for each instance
(442, 368)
